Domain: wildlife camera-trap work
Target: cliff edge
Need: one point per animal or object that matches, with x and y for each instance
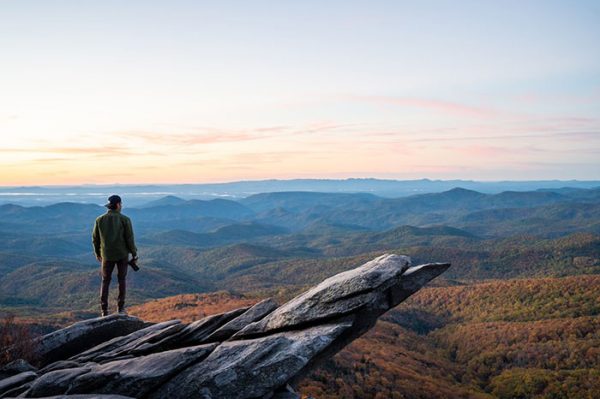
(256, 352)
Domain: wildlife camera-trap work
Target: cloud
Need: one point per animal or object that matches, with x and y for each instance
(485, 151)
(447, 107)
(50, 160)
(558, 135)
(95, 151)
(188, 139)
(207, 135)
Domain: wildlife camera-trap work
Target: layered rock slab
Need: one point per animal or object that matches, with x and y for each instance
(250, 368)
(8, 384)
(83, 335)
(136, 376)
(336, 296)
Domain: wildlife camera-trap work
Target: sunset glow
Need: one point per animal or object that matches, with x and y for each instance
(182, 91)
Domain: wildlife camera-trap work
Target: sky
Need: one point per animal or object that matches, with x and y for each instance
(196, 91)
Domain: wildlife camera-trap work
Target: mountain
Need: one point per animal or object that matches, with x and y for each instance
(297, 211)
(219, 208)
(140, 195)
(167, 200)
(301, 200)
(293, 261)
(546, 221)
(524, 276)
(221, 236)
(67, 285)
(56, 218)
(41, 245)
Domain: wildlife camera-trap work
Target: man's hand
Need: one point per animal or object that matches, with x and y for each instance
(99, 258)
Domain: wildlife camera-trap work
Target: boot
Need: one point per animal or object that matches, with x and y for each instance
(104, 313)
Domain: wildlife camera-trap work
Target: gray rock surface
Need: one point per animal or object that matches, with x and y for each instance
(83, 335)
(15, 367)
(256, 312)
(55, 382)
(250, 369)
(86, 397)
(336, 296)
(198, 331)
(14, 381)
(137, 375)
(118, 345)
(256, 352)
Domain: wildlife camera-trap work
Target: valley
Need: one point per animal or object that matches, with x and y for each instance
(515, 316)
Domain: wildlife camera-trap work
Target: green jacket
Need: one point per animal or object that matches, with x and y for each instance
(113, 236)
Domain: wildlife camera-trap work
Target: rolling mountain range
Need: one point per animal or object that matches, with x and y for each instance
(159, 194)
(285, 239)
(525, 267)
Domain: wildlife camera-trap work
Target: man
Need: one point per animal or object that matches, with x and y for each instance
(113, 241)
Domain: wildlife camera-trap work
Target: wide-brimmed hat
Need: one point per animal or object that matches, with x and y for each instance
(113, 200)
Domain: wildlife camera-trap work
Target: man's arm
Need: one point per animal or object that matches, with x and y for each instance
(129, 238)
(96, 241)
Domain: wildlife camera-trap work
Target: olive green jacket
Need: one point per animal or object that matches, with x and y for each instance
(113, 236)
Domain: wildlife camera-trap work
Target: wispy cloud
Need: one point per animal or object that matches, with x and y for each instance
(206, 135)
(546, 136)
(189, 138)
(447, 107)
(95, 151)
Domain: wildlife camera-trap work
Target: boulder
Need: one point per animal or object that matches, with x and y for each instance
(55, 382)
(336, 296)
(15, 381)
(83, 335)
(120, 345)
(134, 377)
(250, 368)
(15, 367)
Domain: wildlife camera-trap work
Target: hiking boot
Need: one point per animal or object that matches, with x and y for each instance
(104, 313)
(122, 311)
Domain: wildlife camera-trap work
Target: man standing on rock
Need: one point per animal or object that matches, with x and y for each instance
(113, 241)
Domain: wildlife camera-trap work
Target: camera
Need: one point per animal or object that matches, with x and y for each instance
(133, 264)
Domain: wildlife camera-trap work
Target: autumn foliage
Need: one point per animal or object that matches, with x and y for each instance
(16, 341)
(190, 307)
(509, 339)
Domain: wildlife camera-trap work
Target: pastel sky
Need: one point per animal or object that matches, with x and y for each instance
(198, 91)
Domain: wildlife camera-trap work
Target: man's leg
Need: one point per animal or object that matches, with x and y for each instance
(122, 274)
(106, 273)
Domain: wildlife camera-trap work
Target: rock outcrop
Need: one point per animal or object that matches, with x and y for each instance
(256, 352)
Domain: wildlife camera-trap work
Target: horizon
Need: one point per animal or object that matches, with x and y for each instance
(308, 179)
(145, 92)
(140, 194)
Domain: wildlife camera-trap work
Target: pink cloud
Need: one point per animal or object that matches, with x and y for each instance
(485, 151)
(447, 107)
(191, 138)
(97, 151)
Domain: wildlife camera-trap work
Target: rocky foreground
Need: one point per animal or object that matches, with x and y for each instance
(256, 352)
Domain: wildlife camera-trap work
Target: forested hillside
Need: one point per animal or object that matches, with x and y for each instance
(510, 339)
(515, 316)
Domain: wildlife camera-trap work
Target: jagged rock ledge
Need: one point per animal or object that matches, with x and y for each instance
(256, 352)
